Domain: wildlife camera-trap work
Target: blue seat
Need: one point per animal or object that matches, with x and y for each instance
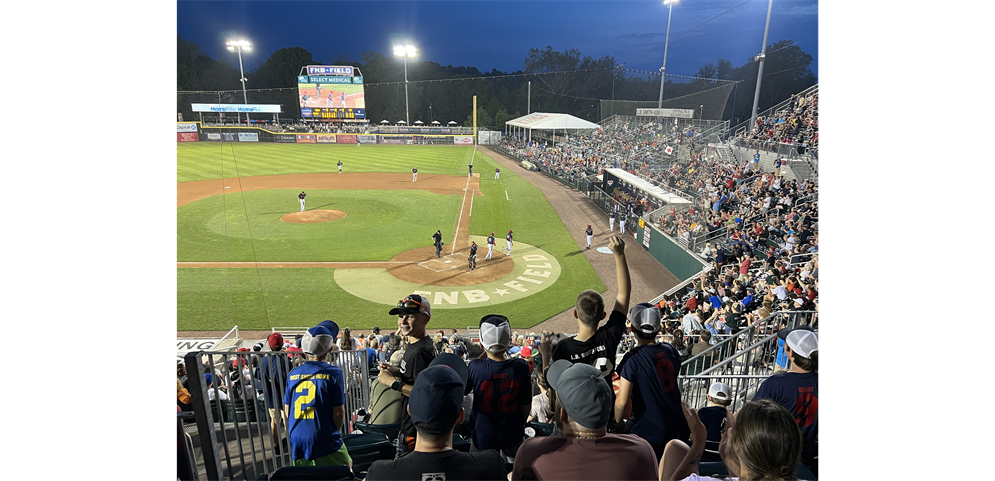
(312, 473)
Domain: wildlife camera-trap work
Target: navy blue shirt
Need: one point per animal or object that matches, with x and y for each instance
(500, 391)
(714, 419)
(799, 394)
(657, 416)
(272, 374)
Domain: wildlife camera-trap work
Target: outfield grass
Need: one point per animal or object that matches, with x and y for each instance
(216, 299)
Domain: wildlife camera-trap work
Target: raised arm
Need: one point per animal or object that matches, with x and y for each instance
(617, 246)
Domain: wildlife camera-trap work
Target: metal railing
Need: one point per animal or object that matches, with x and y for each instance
(232, 438)
(742, 126)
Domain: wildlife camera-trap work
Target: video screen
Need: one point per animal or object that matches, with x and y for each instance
(332, 96)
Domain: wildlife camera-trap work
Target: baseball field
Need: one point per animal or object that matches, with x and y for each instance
(247, 256)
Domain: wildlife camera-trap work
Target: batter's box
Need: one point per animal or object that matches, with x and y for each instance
(455, 261)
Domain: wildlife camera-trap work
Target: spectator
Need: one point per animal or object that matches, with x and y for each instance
(649, 377)
(500, 387)
(372, 356)
(214, 392)
(798, 388)
(348, 343)
(385, 403)
(182, 396)
(272, 374)
(713, 416)
(540, 406)
(314, 403)
(702, 345)
(435, 406)
(413, 314)
(585, 450)
(762, 441)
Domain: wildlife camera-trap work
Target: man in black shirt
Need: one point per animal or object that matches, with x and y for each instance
(413, 313)
(437, 240)
(436, 407)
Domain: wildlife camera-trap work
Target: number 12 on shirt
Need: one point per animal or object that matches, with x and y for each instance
(507, 391)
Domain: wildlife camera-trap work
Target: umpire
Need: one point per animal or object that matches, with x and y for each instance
(437, 240)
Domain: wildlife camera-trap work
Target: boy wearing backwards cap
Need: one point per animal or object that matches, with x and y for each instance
(500, 385)
(649, 376)
(435, 407)
(585, 450)
(413, 313)
(797, 389)
(714, 418)
(315, 405)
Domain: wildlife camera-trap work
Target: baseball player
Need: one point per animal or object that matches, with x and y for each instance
(473, 256)
(490, 246)
(330, 101)
(621, 222)
(611, 221)
(497, 173)
(414, 174)
(343, 99)
(304, 99)
(507, 239)
(318, 88)
(590, 234)
(340, 166)
(301, 197)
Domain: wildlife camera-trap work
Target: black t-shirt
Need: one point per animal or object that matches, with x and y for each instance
(599, 350)
(733, 319)
(437, 237)
(449, 465)
(416, 359)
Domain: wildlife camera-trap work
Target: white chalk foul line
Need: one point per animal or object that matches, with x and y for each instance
(506, 195)
(471, 205)
(460, 218)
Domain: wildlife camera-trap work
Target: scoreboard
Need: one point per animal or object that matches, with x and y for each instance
(332, 113)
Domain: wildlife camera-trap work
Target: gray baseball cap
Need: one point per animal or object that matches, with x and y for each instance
(584, 394)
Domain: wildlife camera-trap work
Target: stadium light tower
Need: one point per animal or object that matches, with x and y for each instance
(760, 69)
(405, 51)
(241, 46)
(663, 69)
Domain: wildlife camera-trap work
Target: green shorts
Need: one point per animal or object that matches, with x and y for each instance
(338, 458)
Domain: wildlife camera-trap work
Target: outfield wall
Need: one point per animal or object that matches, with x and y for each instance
(194, 132)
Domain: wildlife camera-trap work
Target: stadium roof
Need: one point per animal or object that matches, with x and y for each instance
(640, 183)
(544, 121)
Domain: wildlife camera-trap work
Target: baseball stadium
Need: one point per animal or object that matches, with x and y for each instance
(331, 263)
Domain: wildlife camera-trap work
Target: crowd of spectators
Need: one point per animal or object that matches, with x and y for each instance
(797, 123)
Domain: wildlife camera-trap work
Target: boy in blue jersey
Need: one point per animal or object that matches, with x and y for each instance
(315, 405)
(649, 377)
(501, 387)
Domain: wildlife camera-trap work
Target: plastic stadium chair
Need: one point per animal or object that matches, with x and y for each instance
(460, 443)
(366, 448)
(313, 473)
(542, 429)
(389, 430)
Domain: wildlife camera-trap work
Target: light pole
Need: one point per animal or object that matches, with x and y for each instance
(663, 69)
(405, 51)
(240, 46)
(701, 113)
(618, 68)
(760, 71)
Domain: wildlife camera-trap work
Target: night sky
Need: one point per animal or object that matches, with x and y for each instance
(499, 34)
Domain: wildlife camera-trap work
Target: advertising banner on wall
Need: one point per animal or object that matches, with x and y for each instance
(366, 139)
(248, 137)
(462, 140)
(285, 138)
(392, 140)
(346, 139)
(187, 137)
(646, 235)
(214, 136)
(251, 108)
(186, 127)
(228, 137)
(306, 138)
(676, 113)
(326, 138)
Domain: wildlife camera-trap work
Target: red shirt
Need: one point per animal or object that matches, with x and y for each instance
(744, 267)
(692, 303)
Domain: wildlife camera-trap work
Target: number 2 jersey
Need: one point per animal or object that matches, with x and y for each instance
(313, 390)
(657, 416)
(501, 390)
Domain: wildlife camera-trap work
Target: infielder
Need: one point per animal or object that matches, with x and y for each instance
(340, 166)
(497, 173)
(490, 246)
(590, 234)
(414, 174)
(611, 221)
(301, 197)
(473, 257)
(507, 239)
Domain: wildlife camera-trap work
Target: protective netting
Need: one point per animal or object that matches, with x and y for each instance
(707, 98)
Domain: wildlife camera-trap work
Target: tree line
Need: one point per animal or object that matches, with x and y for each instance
(561, 82)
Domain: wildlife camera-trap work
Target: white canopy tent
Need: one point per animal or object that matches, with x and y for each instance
(547, 121)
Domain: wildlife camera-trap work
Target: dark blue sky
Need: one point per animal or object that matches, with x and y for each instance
(499, 34)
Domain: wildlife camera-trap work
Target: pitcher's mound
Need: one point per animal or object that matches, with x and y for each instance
(313, 216)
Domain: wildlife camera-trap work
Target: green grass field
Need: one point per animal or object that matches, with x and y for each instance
(379, 224)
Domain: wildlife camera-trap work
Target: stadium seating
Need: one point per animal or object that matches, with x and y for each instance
(311, 473)
(541, 429)
(389, 430)
(366, 448)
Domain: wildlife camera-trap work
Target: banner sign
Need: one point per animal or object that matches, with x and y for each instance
(326, 139)
(393, 140)
(347, 139)
(462, 140)
(252, 108)
(366, 139)
(228, 137)
(186, 127)
(324, 79)
(285, 138)
(676, 113)
(446, 130)
(187, 137)
(329, 70)
(248, 137)
(646, 236)
(306, 138)
(214, 137)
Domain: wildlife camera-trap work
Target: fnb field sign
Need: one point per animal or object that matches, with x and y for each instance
(235, 108)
